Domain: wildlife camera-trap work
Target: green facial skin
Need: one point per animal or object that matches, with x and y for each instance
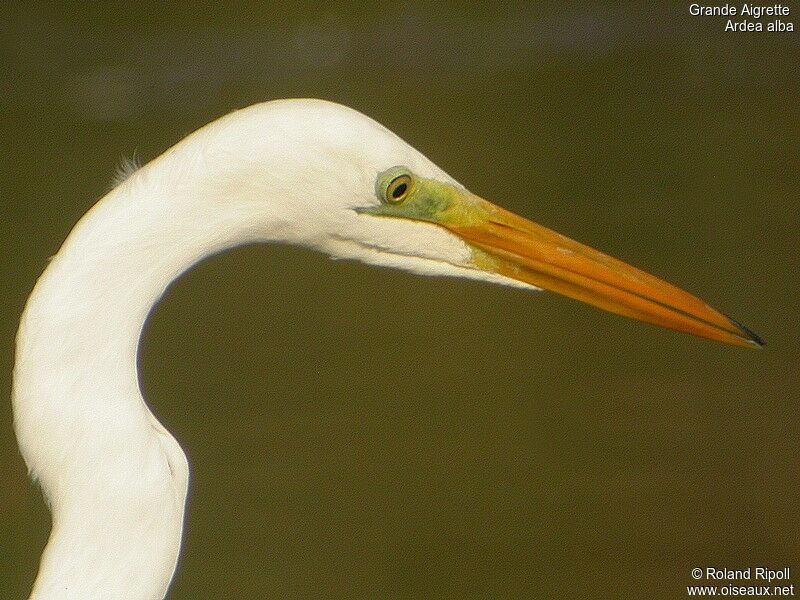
(428, 200)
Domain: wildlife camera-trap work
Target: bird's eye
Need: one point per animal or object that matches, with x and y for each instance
(398, 188)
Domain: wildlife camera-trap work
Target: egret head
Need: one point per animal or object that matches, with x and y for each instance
(353, 189)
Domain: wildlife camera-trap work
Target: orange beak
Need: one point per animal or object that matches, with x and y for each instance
(520, 249)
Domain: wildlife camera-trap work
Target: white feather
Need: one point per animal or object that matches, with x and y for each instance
(126, 167)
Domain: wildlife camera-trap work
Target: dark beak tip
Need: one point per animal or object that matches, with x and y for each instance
(756, 341)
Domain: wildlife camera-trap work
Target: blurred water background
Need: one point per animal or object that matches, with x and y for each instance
(361, 433)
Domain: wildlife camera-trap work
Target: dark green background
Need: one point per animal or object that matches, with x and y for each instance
(361, 433)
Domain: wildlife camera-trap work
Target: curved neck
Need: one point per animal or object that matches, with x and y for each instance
(115, 479)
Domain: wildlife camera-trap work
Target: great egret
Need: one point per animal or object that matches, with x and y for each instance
(305, 172)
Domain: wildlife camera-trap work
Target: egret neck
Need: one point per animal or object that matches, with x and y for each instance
(115, 478)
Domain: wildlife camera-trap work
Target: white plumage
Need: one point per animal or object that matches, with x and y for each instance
(116, 480)
(304, 172)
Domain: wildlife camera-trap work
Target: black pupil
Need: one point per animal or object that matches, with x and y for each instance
(399, 190)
